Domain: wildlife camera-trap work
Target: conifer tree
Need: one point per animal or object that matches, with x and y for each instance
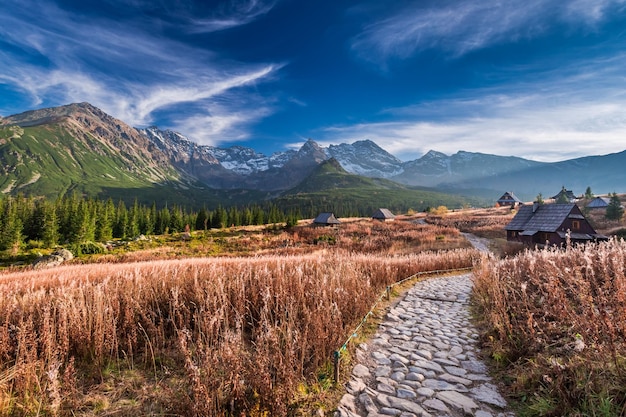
(614, 211)
(10, 227)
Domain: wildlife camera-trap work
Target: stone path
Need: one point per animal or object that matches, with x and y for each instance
(423, 360)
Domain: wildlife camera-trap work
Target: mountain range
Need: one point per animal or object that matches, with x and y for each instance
(80, 148)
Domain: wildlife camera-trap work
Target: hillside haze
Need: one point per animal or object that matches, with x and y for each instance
(79, 148)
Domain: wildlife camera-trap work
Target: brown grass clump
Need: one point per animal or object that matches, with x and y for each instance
(201, 336)
(556, 323)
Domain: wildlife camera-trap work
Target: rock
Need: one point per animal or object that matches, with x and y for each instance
(458, 401)
(355, 386)
(437, 405)
(407, 405)
(348, 402)
(368, 403)
(360, 371)
(488, 393)
(56, 258)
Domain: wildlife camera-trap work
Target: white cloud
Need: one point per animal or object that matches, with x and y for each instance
(469, 25)
(546, 120)
(219, 124)
(235, 13)
(126, 70)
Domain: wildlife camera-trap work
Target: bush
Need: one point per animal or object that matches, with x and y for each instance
(88, 248)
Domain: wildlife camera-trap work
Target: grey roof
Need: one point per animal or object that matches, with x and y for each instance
(598, 202)
(383, 213)
(546, 218)
(512, 196)
(569, 194)
(326, 218)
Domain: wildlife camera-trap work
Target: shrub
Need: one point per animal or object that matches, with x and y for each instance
(557, 320)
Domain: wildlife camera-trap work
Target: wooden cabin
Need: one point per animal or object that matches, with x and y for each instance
(540, 224)
(326, 219)
(598, 202)
(508, 199)
(384, 215)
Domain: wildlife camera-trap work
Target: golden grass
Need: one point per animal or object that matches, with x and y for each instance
(208, 335)
(556, 322)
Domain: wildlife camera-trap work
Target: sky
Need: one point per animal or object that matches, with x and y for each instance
(538, 79)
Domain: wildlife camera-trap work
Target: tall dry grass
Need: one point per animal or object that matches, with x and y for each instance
(556, 321)
(209, 336)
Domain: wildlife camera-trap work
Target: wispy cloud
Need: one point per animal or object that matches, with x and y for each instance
(235, 13)
(129, 71)
(556, 117)
(464, 26)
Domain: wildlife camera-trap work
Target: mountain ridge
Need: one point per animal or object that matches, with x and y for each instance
(159, 156)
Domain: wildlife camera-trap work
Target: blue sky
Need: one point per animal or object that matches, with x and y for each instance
(540, 79)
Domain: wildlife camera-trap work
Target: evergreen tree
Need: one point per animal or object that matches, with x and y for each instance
(562, 199)
(539, 199)
(121, 218)
(588, 193)
(219, 218)
(132, 225)
(10, 227)
(105, 221)
(49, 231)
(202, 219)
(614, 211)
(162, 223)
(176, 220)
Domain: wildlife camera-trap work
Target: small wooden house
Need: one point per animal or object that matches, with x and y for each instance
(384, 215)
(549, 224)
(326, 219)
(598, 202)
(508, 199)
(566, 195)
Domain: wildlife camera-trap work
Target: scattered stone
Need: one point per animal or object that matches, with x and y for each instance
(437, 405)
(360, 371)
(458, 401)
(488, 393)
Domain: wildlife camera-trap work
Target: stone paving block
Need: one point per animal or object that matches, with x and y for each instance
(488, 393)
(458, 401)
(361, 371)
(437, 405)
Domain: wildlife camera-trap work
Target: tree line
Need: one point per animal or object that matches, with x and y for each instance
(73, 219)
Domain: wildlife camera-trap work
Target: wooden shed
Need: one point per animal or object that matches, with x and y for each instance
(566, 194)
(326, 219)
(508, 199)
(384, 215)
(598, 202)
(550, 223)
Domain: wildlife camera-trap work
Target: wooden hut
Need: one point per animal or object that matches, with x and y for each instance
(598, 202)
(550, 223)
(384, 215)
(326, 219)
(508, 199)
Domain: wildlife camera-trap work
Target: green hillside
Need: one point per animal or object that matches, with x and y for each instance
(50, 161)
(331, 188)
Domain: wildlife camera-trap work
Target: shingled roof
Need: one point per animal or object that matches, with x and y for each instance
(508, 197)
(326, 218)
(542, 217)
(383, 214)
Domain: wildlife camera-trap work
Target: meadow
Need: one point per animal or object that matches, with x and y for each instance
(167, 330)
(554, 322)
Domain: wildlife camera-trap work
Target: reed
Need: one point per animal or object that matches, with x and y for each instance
(210, 336)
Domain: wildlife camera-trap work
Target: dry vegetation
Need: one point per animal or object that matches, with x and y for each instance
(555, 321)
(202, 336)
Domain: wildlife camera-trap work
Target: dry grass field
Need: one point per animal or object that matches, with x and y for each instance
(243, 321)
(555, 323)
(167, 331)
